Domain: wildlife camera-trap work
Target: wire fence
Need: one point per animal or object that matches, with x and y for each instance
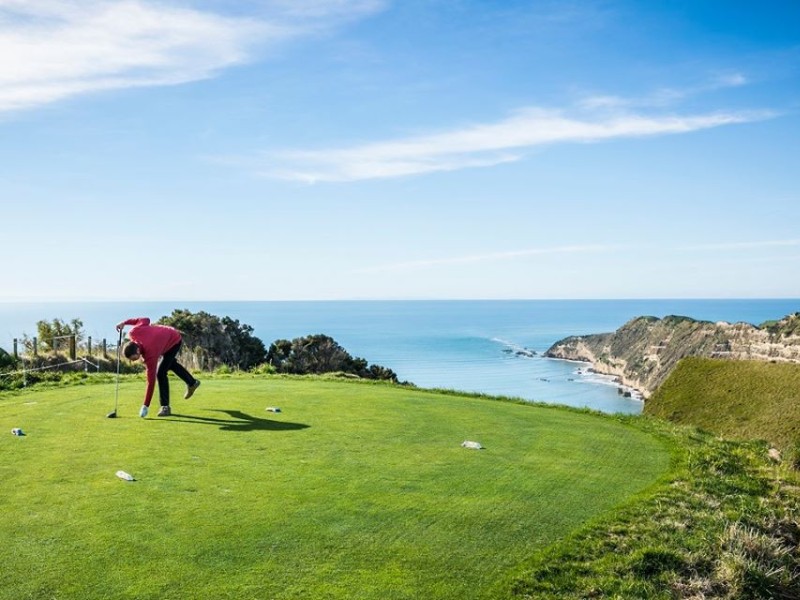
(61, 353)
(84, 361)
(70, 344)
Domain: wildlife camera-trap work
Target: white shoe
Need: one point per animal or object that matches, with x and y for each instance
(143, 411)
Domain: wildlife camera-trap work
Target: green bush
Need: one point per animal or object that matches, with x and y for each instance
(317, 354)
(7, 361)
(264, 369)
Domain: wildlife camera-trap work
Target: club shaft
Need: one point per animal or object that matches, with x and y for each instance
(116, 391)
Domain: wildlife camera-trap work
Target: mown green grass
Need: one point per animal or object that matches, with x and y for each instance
(352, 491)
(736, 399)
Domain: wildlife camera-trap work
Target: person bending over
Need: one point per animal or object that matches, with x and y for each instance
(151, 343)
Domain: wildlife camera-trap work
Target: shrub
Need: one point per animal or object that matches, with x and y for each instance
(264, 369)
(316, 354)
(6, 360)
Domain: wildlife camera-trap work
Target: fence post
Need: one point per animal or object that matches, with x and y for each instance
(73, 350)
(105, 348)
(89, 345)
(16, 355)
(35, 347)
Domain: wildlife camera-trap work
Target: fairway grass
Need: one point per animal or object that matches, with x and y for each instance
(353, 491)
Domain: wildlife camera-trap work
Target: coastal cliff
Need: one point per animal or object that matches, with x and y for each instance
(642, 352)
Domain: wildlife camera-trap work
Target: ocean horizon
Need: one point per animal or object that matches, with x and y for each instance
(483, 346)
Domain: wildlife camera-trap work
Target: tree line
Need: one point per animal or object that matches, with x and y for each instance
(211, 342)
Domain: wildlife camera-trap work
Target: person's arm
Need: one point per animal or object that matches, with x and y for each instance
(135, 322)
(151, 366)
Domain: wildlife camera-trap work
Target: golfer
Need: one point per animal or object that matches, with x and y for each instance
(151, 343)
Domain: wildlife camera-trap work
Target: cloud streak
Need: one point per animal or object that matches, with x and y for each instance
(52, 50)
(484, 144)
(489, 257)
(747, 245)
(665, 96)
(585, 249)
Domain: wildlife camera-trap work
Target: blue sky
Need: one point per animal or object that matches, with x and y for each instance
(377, 149)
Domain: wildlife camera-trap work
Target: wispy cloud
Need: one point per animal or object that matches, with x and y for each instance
(51, 49)
(664, 96)
(489, 257)
(577, 249)
(746, 245)
(484, 144)
(326, 10)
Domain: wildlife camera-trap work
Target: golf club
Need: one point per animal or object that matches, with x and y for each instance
(113, 413)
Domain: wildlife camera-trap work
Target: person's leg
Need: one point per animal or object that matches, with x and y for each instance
(181, 372)
(163, 380)
(167, 364)
(191, 383)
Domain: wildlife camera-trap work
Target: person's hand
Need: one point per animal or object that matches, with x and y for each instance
(120, 326)
(143, 411)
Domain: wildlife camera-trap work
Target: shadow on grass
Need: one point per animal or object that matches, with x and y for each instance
(242, 422)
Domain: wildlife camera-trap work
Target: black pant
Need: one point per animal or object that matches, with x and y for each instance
(169, 362)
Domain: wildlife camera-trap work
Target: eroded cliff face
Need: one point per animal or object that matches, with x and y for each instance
(642, 352)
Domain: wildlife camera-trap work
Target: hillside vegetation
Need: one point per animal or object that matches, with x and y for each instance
(724, 526)
(644, 351)
(735, 399)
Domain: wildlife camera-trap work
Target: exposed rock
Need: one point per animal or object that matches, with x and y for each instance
(644, 350)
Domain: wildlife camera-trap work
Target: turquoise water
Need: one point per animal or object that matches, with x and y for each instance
(480, 346)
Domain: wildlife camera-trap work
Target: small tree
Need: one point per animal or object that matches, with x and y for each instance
(48, 331)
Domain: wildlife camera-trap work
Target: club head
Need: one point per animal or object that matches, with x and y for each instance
(112, 415)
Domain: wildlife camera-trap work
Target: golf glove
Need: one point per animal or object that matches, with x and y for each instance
(143, 411)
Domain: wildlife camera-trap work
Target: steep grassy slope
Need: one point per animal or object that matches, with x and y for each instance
(726, 526)
(736, 399)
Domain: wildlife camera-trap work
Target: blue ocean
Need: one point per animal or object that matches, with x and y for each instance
(491, 346)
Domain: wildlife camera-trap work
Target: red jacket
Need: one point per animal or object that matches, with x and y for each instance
(153, 342)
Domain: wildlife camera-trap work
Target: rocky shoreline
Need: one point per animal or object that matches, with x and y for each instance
(643, 352)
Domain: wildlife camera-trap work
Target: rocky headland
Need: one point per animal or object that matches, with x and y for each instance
(644, 350)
